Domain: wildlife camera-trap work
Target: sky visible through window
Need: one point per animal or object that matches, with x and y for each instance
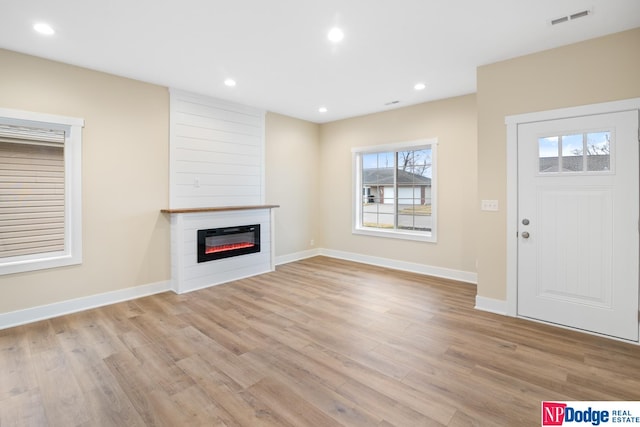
(572, 145)
(378, 160)
(387, 160)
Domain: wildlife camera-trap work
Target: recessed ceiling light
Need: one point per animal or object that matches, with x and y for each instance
(420, 86)
(335, 35)
(322, 109)
(43, 28)
(230, 82)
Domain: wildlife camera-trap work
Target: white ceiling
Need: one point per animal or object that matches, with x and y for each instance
(278, 52)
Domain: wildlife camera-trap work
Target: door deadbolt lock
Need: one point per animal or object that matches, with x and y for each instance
(525, 221)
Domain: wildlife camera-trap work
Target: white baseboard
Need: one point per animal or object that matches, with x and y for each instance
(491, 305)
(29, 315)
(297, 256)
(429, 270)
(21, 317)
(222, 281)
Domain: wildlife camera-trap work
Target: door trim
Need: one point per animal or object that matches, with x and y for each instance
(512, 123)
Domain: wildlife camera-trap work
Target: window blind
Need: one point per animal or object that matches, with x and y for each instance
(34, 136)
(32, 188)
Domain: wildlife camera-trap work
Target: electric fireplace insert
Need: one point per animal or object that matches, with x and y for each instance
(218, 243)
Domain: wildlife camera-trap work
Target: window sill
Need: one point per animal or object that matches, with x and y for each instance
(396, 234)
(17, 265)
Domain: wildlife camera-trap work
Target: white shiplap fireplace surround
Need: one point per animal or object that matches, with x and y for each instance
(216, 174)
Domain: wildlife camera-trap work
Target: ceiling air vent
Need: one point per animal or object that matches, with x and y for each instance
(559, 20)
(580, 14)
(571, 17)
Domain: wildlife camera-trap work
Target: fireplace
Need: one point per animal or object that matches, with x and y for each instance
(227, 242)
(187, 274)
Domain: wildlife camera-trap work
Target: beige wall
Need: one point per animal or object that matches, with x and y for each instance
(125, 178)
(292, 165)
(308, 166)
(453, 122)
(598, 70)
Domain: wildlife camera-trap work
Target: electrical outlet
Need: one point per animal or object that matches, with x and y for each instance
(312, 242)
(489, 205)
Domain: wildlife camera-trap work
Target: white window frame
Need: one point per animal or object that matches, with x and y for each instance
(72, 253)
(357, 227)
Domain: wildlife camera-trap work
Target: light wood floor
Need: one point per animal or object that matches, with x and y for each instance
(320, 342)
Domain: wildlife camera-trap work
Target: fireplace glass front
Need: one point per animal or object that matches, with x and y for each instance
(218, 243)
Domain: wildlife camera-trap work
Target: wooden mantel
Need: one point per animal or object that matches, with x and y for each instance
(217, 209)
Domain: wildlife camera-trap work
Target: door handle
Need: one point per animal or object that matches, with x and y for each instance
(525, 234)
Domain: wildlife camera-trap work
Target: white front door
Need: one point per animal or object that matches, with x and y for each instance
(578, 245)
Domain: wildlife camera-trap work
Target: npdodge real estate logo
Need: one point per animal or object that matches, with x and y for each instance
(590, 413)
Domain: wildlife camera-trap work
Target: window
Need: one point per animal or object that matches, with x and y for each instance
(395, 190)
(40, 191)
(576, 153)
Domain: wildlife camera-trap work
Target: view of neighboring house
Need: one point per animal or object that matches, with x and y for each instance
(575, 163)
(379, 187)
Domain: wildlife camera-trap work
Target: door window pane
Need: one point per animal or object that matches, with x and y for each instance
(548, 154)
(572, 153)
(598, 151)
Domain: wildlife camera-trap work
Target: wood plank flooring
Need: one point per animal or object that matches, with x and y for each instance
(320, 342)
